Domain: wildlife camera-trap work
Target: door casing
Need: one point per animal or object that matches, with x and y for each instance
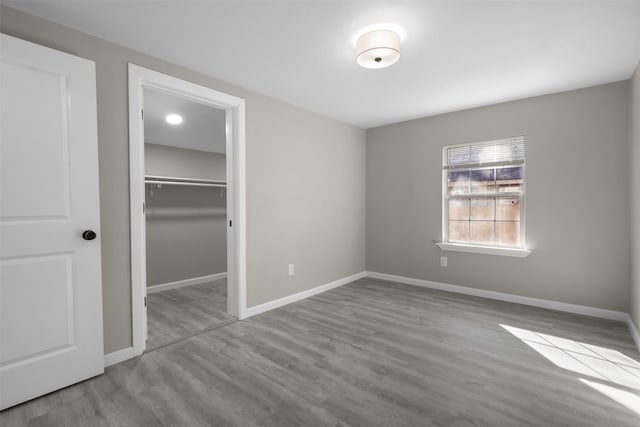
(140, 78)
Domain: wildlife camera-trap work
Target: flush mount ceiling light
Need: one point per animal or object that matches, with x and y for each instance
(173, 119)
(378, 49)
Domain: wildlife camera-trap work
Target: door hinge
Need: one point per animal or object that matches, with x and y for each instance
(230, 223)
(143, 208)
(142, 111)
(145, 301)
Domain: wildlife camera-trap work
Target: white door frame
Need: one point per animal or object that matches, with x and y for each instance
(140, 78)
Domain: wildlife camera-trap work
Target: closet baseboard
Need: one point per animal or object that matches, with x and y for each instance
(188, 282)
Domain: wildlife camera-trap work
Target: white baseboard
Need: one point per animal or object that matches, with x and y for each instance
(119, 356)
(635, 334)
(129, 353)
(188, 282)
(535, 302)
(257, 309)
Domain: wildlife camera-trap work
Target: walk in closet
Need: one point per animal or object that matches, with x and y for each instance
(185, 214)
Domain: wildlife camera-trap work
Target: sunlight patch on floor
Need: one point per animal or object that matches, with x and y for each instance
(611, 373)
(625, 398)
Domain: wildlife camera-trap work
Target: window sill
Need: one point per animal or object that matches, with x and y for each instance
(487, 250)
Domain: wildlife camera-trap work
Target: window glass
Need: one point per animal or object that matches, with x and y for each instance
(459, 209)
(459, 231)
(509, 180)
(507, 209)
(484, 193)
(459, 182)
(483, 181)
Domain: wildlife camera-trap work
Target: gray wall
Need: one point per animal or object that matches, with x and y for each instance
(577, 204)
(306, 202)
(634, 164)
(161, 160)
(185, 226)
(305, 180)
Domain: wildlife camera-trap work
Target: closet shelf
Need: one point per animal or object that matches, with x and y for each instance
(171, 180)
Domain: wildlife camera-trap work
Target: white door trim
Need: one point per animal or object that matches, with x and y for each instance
(140, 78)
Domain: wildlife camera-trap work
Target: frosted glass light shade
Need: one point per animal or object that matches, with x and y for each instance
(378, 49)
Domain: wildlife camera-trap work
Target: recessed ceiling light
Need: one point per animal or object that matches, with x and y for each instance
(173, 119)
(378, 49)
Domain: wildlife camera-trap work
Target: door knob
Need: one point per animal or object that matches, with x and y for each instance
(89, 235)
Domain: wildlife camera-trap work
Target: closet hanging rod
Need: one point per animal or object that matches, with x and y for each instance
(190, 184)
(152, 179)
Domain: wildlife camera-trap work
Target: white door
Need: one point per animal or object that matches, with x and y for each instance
(50, 277)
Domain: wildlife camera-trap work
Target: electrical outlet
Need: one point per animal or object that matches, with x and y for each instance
(290, 269)
(443, 261)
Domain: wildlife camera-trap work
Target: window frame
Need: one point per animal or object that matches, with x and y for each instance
(519, 250)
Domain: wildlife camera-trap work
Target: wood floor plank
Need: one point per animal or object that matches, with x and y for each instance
(370, 353)
(179, 313)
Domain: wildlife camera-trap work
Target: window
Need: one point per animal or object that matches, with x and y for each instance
(483, 197)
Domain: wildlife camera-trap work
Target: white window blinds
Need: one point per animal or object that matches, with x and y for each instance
(502, 152)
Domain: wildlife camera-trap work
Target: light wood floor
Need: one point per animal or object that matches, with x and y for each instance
(370, 353)
(180, 313)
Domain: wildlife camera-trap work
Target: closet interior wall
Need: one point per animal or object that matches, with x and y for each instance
(185, 225)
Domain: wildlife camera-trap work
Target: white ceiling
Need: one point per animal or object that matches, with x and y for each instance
(455, 55)
(203, 127)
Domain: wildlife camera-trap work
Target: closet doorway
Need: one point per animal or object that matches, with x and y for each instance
(186, 215)
(187, 247)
